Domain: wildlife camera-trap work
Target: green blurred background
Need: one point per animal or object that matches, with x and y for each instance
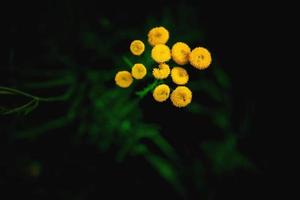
(68, 132)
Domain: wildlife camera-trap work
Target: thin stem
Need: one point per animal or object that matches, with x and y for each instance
(12, 90)
(51, 83)
(57, 98)
(147, 89)
(127, 61)
(17, 109)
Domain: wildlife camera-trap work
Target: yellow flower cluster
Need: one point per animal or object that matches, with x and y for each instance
(180, 53)
(180, 97)
(138, 71)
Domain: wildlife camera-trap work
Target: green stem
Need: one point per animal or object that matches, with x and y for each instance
(51, 83)
(127, 61)
(57, 98)
(149, 88)
(15, 91)
(17, 109)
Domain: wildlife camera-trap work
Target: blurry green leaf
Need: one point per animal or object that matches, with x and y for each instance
(140, 149)
(162, 144)
(221, 118)
(222, 77)
(132, 139)
(104, 22)
(199, 176)
(41, 129)
(51, 83)
(90, 40)
(224, 156)
(99, 76)
(125, 126)
(208, 87)
(198, 109)
(166, 170)
(125, 148)
(165, 147)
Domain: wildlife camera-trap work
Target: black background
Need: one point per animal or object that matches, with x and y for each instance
(237, 32)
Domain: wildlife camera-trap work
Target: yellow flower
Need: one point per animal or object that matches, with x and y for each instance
(179, 75)
(181, 96)
(137, 47)
(123, 79)
(162, 72)
(180, 53)
(138, 71)
(161, 93)
(161, 53)
(200, 58)
(158, 35)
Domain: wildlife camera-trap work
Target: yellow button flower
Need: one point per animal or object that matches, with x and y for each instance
(161, 92)
(123, 79)
(158, 35)
(180, 53)
(161, 53)
(138, 71)
(181, 96)
(200, 58)
(179, 75)
(137, 47)
(162, 72)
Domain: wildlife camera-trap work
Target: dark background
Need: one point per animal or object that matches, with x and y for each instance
(233, 33)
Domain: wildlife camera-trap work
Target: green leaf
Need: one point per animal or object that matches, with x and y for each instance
(166, 170)
(224, 156)
(209, 87)
(221, 118)
(198, 109)
(222, 77)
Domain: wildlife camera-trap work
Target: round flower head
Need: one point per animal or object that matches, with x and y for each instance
(137, 47)
(162, 72)
(180, 53)
(161, 53)
(138, 71)
(123, 79)
(179, 75)
(200, 58)
(181, 96)
(161, 92)
(158, 35)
